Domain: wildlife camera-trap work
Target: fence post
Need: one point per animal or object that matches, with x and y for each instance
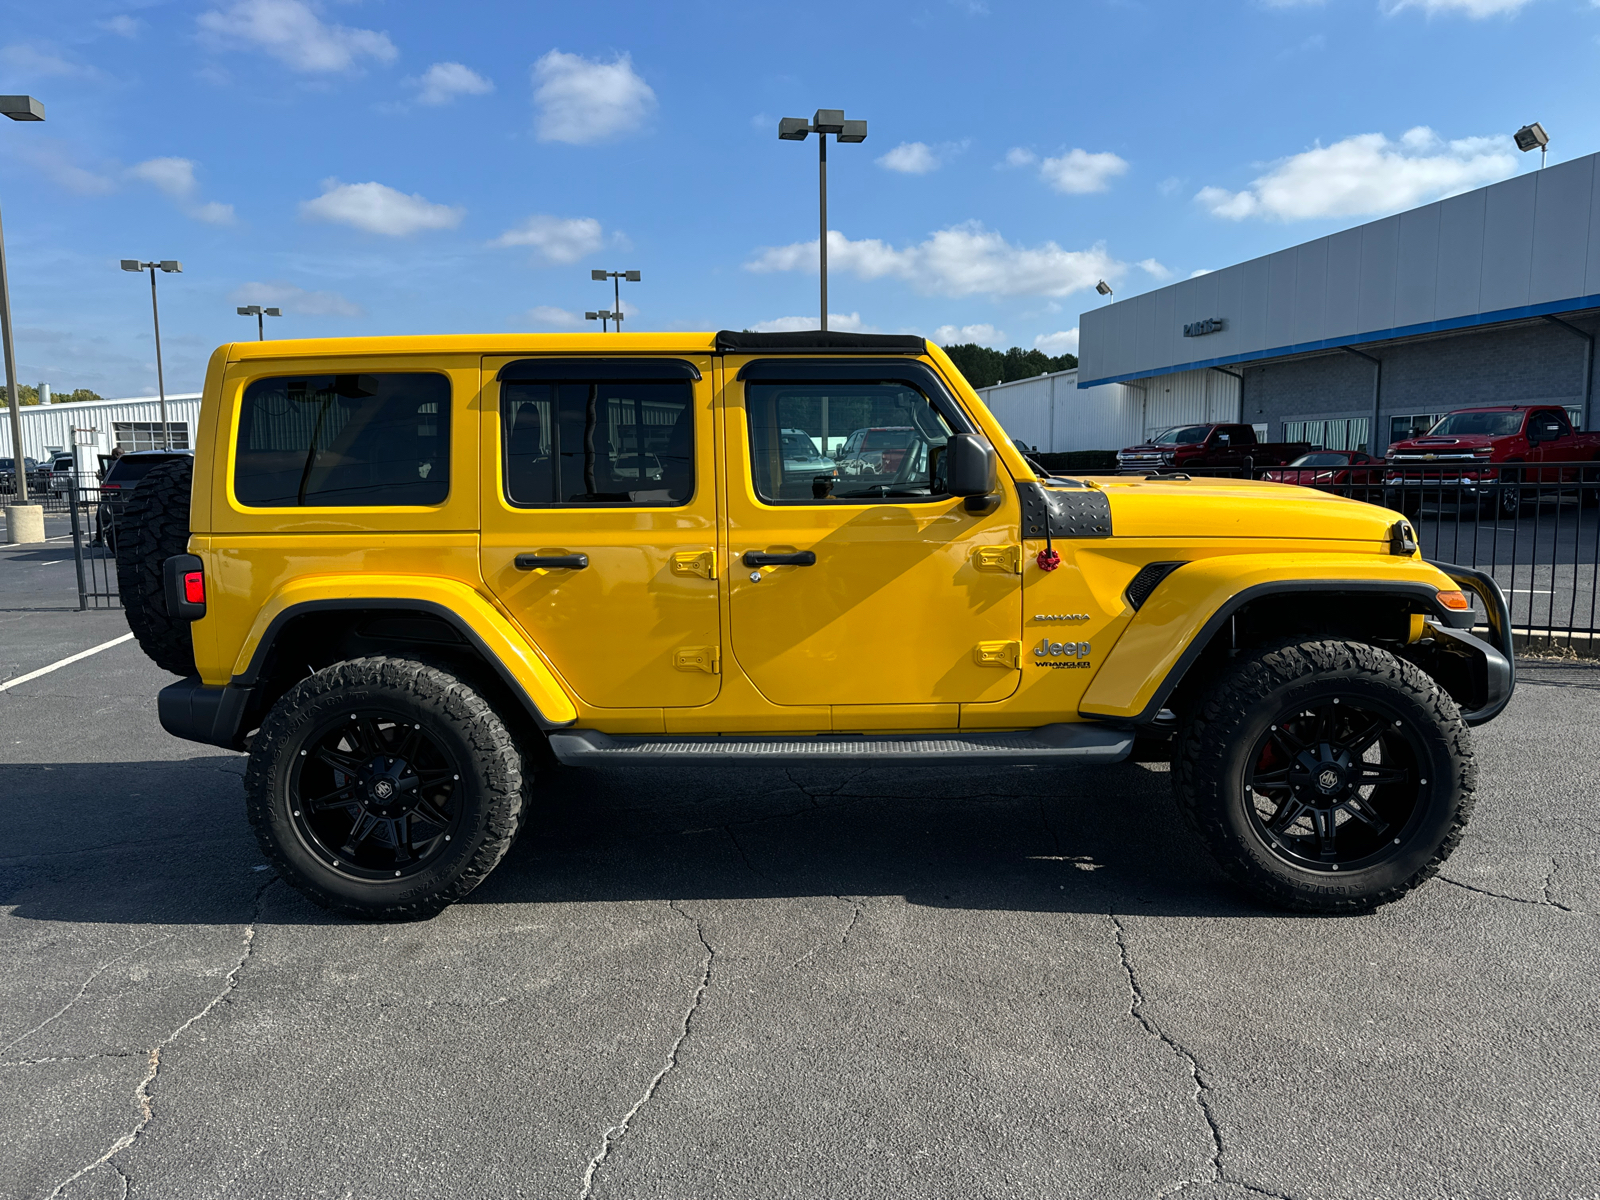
(77, 544)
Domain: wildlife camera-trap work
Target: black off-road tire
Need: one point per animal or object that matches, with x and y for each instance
(488, 805)
(1213, 766)
(153, 527)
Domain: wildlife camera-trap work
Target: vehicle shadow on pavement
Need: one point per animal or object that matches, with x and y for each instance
(167, 842)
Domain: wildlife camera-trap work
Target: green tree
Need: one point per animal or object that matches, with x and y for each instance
(28, 394)
(76, 396)
(985, 367)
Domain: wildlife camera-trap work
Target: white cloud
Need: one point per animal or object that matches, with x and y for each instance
(1154, 269)
(1366, 174)
(376, 208)
(956, 335)
(53, 161)
(837, 323)
(1476, 9)
(581, 101)
(911, 158)
(962, 260)
(1199, 271)
(293, 33)
(174, 176)
(296, 301)
(1169, 185)
(546, 315)
(33, 62)
(1019, 157)
(444, 81)
(1056, 344)
(1078, 171)
(558, 239)
(122, 25)
(213, 213)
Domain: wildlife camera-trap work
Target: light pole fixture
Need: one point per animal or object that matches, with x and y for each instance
(604, 315)
(171, 267)
(1531, 137)
(826, 121)
(256, 311)
(1103, 288)
(616, 278)
(18, 108)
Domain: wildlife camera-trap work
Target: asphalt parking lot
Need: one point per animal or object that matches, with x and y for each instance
(1025, 982)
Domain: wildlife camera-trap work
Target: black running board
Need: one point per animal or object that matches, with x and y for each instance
(1065, 745)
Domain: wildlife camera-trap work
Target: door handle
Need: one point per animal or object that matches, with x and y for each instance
(759, 558)
(533, 562)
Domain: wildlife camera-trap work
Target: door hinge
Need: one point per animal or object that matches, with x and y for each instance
(695, 562)
(997, 654)
(698, 658)
(1005, 559)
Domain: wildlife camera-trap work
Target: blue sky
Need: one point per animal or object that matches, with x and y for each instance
(384, 166)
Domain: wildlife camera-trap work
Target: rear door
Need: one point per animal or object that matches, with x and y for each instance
(600, 521)
(863, 583)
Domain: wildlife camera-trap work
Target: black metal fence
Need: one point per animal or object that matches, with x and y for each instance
(1534, 527)
(96, 519)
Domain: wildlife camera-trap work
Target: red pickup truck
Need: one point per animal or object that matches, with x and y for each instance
(1485, 455)
(1209, 445)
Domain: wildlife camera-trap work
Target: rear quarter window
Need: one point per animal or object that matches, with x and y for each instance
(344, 441)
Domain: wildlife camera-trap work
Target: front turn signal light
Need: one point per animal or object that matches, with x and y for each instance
(1456, 601)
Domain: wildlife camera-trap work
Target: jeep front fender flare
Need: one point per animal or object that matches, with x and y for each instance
(1173, 627)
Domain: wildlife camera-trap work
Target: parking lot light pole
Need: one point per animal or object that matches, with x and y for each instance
(824, 122)
(256, 311)
(616, 278)
(171, 267)
(604, 315)
(18, 108)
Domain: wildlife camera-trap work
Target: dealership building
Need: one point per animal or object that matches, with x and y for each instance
(1354, 340)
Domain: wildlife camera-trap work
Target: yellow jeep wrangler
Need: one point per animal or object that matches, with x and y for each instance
(408, 573)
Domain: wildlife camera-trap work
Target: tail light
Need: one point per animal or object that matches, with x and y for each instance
(194, 587)
(185, 580)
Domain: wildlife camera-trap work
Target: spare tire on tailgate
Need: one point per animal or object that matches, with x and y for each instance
(153, 528)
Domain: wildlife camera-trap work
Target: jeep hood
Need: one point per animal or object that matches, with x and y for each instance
(1240, 508)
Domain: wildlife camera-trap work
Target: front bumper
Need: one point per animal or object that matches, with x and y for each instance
(1491, 663)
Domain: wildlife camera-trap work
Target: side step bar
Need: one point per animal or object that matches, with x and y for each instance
(1064, 744)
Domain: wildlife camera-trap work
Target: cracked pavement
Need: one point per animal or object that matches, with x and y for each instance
(1023, 982)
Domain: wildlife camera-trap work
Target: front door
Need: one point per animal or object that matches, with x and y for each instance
(600, 521)
(854, 578)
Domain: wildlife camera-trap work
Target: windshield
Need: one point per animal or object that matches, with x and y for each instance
(1492, 424)
(1320, 460)
(798, 445)
(128, 469)
(887, 439)
(1181, 435)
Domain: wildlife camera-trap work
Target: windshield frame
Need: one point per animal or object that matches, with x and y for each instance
(1515, 417)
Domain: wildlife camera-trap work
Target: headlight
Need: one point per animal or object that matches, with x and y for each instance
(1169, 457)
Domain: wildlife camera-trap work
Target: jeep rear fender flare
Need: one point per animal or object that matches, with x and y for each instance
(1189, 606)
(502, 646)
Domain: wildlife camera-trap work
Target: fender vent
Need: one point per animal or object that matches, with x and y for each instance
(1147, 580)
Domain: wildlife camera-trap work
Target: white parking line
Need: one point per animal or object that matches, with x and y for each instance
(65, 662)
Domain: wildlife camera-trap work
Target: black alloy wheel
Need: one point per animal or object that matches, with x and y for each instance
(1337, 785)
(1326, 775)
(384, 787)
(374, 795)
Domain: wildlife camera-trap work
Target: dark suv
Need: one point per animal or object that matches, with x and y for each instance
(117, 487)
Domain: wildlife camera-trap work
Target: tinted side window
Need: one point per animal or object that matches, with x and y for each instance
(344, 441)
(614, 443)
(854, 443)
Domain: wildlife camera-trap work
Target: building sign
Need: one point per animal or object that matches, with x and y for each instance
(1201, 328)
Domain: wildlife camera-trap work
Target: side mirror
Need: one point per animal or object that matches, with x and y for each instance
(972, 468)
